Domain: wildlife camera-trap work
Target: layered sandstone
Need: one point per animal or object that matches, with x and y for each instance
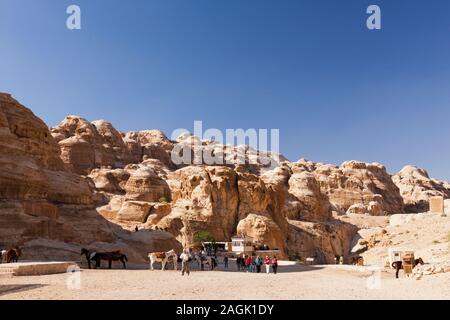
(87, 184)
(40, 202)
(416, 188)
(356, 186)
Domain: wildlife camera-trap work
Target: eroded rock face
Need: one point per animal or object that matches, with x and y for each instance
(263, 230)
(87, 184)
(310, 202)
(145, 185)
(416, 188)
(86, 146)
(203, 198)
(42, 204)
(322, 241)
(358, 183)
(153, 144)
(93, 145)
(30, 131)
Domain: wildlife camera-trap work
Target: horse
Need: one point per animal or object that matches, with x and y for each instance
(163, 257)
(88, 254)
(13, 255)
(110, 256)
(358, 261)
(397, 265)
(210, 261)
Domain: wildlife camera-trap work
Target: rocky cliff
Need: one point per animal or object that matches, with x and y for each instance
(86, 184)
(47, 210)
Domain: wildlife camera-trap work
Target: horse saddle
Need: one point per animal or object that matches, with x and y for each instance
(160, 255)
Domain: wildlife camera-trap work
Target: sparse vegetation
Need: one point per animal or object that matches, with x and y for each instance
(448, 236)
(163, 200)
(435, 242)
(203, 236)
(444, 215)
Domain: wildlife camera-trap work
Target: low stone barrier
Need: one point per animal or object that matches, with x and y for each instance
(35, 268)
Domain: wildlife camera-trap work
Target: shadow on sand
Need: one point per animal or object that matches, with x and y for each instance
(295, 268)
(232, 268)
(14, 288)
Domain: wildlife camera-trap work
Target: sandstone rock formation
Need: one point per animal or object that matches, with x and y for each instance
(87, 184)
(416, 188)
(368, 186)
(42, 203)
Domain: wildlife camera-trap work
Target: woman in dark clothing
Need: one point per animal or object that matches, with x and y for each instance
(258, 263)
(244, 257)
(274, 264)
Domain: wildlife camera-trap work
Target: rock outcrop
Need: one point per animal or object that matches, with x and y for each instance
(366, 185)
(86, 184)
(416, 188)
(40, 202)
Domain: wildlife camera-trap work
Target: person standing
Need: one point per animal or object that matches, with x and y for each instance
(238, 263)
(185, 262)
(267, 264)
(258, 263)
(225, 262)
(243, 260)
(275, 264)
(248, 263)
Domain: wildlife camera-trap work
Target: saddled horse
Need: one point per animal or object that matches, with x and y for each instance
(397, 265)
(12, 255)
(210, 261)
(163, 257)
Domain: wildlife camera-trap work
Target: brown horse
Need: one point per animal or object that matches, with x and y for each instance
(358, 261)
(110, 256)
(13, 255)
(397, 265)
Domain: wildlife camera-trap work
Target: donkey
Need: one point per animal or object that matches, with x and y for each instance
(210, 261)
(110, 256)
(163, 257)
(397, 265)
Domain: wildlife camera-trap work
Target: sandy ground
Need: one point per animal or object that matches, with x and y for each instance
(428, 235)
(292, 282)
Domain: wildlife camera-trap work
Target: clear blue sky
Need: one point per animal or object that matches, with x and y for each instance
(336, 90)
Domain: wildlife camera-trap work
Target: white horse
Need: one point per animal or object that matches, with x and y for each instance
(2, 254)
(163, 257)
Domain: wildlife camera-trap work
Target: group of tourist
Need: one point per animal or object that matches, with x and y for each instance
(245, 263)
(254, 264)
